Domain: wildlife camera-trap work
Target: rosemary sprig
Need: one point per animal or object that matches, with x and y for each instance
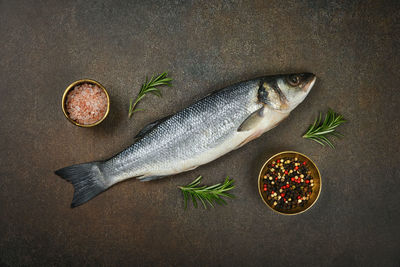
(207, 194)
(149, 86)
(320, 131)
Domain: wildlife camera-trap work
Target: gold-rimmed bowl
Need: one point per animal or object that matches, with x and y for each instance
(71, 87)
(315, 174)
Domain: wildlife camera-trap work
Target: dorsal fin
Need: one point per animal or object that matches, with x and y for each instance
(150, 126)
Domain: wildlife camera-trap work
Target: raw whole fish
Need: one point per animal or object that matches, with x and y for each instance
(213, 126)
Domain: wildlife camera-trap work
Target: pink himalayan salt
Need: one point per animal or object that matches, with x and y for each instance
(86, 103)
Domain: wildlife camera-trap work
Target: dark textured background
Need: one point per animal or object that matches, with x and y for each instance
(353, 48)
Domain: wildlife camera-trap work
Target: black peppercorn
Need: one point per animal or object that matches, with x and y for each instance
(286, 184)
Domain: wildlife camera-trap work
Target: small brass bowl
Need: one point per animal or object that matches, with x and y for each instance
(315, 174)
(71, 87)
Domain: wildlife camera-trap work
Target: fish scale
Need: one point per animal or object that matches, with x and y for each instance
(211, 127)
(182, 136)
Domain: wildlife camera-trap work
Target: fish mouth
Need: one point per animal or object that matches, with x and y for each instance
(310, 83)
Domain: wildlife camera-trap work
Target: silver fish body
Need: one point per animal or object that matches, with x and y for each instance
(211, 127)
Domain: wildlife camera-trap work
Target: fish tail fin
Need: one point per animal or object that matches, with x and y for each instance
(88, 181)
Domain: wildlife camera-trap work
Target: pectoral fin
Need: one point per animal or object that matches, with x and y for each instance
(252, 121)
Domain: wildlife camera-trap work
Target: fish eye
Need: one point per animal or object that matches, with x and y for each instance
(294, 80)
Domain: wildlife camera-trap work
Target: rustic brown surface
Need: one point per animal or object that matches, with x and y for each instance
(353, 48)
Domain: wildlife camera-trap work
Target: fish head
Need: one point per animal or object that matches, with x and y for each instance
(285, 92)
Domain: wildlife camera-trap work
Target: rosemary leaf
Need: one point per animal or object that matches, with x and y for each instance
(320, 130)
(149, 86)
(207, 194)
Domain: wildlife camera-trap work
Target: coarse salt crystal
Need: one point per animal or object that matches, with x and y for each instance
(86, 104)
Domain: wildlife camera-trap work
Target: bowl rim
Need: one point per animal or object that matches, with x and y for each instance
(262, 168)
(70, 87)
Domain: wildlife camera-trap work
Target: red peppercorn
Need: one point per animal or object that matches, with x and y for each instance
(290, 185)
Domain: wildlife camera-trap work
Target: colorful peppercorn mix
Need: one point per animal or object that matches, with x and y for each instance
(287, 183)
